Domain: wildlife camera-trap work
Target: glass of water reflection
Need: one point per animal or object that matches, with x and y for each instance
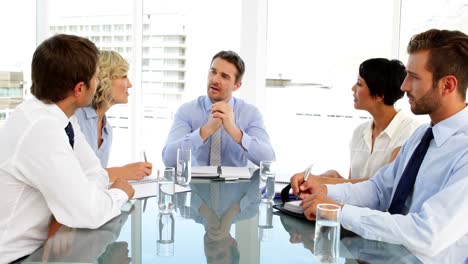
(267, 180)
(327, 233)
(166, 183)
(165, 243)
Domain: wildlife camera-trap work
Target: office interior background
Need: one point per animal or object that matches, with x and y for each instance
(302, 59)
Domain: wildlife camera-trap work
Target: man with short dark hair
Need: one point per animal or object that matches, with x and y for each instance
(419, 200)
(220, 129)
(46, 166)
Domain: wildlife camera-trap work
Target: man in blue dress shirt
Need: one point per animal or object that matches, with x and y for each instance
(432, 223)
(241, 128)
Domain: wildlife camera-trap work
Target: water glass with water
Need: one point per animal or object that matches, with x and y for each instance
(267, 169)
(165, 243)
(327, 233)
(267, 180)
(166, 184)
(265, 221)
(184, 166)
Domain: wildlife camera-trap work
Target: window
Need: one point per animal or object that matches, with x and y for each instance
(16, 54)
(312, 63)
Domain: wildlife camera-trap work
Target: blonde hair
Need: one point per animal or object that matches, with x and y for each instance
(111, 65)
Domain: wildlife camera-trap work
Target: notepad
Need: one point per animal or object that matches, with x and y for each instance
(148, 187)
(221, 172)
(294, 206)
(146, 179)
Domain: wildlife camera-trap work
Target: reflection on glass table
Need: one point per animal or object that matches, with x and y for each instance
(218, 222)
(352, 247)
(217, 205)
(85, 245)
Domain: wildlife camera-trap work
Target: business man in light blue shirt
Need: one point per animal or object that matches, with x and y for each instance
(243, 134)
(433, 224)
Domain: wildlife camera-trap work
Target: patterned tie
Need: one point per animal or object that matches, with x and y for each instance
(407, 180)
(215, 148)
(70, 134)
(215, 196)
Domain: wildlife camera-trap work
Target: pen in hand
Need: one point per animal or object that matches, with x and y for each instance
(306, 176)
(144, 156)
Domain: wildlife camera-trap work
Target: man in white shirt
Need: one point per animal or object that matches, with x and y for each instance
(46, 166)
(419, 200)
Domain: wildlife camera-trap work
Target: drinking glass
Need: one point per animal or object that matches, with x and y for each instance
(267, 168)
(327, 233)
(166, 184)
(165, 243)
(265, 221)
(267, 180)
(184, 166)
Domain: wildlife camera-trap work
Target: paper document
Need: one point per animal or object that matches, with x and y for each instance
(144, 180)
(294, 206)
(149, 187)
(221, 172)
(178, 189)
(236, 172)
(145, 189)
(205, 171)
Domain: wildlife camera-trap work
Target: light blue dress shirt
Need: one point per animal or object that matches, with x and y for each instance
(435, 228)
(88, 120)
(191, 116)
(245, 193)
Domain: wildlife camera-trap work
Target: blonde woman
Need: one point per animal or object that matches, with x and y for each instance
(112, 89)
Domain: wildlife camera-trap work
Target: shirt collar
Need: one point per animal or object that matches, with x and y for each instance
(90, 112)
(55, 111)
(448, 127)
(207, 103)
(392, 127)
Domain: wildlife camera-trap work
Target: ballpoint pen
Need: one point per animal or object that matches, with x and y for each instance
(306, 176)
(307, 172)
(144, 156)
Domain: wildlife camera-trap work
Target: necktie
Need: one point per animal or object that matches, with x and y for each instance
(215, 196)
(406, 183)
(70, 134)
(215, 149)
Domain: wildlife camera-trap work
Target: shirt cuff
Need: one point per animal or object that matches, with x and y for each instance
(118, 196)
(246, 140)
(195, 138)
(334, 192)
(350, 217)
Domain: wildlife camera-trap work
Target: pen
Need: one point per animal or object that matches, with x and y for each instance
(306, 176)
(307, 172)
(144, 156)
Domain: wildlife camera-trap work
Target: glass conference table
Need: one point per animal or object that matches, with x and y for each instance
(217, 222)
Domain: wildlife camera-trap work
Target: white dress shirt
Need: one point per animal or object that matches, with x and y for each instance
(365, 161)
(435, 228)
(41, 175)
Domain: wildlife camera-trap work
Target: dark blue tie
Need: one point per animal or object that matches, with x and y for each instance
(406, 183)
(70, 134)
